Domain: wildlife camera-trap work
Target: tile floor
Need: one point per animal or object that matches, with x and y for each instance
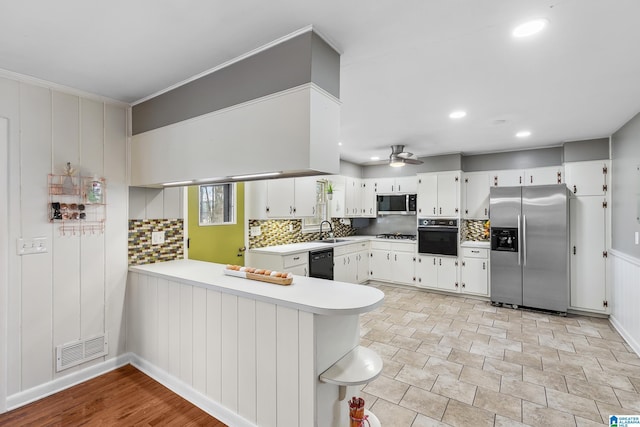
(456, 361)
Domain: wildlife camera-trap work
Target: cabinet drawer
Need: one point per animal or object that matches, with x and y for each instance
(475, 253)
(295, 259)
(403, 247)
(345, 249)
(385, 246)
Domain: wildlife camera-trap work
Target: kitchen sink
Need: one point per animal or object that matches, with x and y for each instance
(329, 241)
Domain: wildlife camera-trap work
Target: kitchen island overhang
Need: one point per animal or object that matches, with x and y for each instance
(255, 350)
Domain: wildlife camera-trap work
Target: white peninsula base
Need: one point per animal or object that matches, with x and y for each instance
(252, 351)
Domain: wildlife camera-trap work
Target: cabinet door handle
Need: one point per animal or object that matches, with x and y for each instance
(434, 261)
(440, 211)
(440, 261)
(520, 181)
(290, 209)
(434, 210)
(296, 258)
(485, 211)
(484, 266)
(463, 263)
(344, 261)
(388, 256)
(313, 210)
(531, 178)
(396, 257)
(575, 189)
(305, 271)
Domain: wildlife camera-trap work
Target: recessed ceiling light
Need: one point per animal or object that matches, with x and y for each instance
(523, 134)
(374, 158)
(529, 28)
(457, 114)
(340, 144)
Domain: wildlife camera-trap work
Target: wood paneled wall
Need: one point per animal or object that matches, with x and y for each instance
(625, 294)
(77, 288)
(257, 359)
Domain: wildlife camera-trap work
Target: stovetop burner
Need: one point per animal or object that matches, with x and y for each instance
(396, 236)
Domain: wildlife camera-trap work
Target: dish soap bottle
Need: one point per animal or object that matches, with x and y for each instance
(94, 190)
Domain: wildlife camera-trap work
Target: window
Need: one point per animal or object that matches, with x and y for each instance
(217, 204)
(312, 224)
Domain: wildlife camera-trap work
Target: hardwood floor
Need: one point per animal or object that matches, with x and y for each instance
(123, 397)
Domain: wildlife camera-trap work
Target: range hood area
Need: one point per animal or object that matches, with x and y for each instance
(274, 114)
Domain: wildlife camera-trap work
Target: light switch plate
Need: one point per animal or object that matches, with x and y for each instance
(157, 237)
(255, 231)
(637, 237)
(33, 245)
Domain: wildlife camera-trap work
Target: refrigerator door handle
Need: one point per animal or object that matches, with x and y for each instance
(519, 242)
(524, 243)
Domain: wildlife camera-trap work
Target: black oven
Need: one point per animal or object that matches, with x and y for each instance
(438, 236)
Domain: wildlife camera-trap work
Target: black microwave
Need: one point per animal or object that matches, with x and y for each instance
(398, 204)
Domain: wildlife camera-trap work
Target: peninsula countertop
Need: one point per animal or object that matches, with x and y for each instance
(319, 296)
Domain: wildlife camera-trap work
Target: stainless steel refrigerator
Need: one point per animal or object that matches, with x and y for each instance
(530, 246)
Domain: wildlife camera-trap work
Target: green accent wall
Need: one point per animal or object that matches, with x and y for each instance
(216, 243)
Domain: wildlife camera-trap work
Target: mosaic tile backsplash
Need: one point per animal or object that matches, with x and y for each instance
(276, 232)
(473, 229)
(141, 251)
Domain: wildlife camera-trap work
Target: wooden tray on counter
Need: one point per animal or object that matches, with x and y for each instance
(259, 277)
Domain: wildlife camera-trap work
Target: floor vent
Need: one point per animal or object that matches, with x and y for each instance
(77, 352)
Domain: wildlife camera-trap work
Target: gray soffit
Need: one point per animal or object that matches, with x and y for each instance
(299, 60)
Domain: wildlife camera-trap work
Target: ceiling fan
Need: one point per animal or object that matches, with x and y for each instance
(399, 157)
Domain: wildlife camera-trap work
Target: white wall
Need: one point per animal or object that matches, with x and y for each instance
(625, 262)
(77, 288)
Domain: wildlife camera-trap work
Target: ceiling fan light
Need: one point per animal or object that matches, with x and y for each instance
(395, 161)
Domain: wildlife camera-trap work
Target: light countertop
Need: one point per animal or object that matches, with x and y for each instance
(293, 248)
(309, 294)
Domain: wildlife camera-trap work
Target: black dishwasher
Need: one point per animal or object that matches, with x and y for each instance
(321, 263)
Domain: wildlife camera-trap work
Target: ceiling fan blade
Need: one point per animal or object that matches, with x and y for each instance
(412, 161)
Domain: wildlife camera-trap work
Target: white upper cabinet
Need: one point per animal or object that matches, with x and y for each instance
(507, 178)
(305, 196)
(475, 190)
(353, 196)
(384, 185)
(533, 176)
(427, 194)
(337, 208)
(587, 178)
(449, 194)
(543, 176)
(439, 194)
(255, 199)
(280, 198)
(406, 184)
(399, 185)
(368, 203)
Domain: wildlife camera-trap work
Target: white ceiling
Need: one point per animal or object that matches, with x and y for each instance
(405, 64)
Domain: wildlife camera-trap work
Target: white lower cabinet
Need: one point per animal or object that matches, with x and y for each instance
(351, 263)
(437, 272)
(297, 263)
(474, 271)
(392, 262)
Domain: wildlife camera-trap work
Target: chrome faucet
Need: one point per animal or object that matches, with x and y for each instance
(330, 229)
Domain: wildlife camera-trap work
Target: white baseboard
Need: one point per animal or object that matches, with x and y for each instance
(43, 390)
(187, 392)
(635, 345)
